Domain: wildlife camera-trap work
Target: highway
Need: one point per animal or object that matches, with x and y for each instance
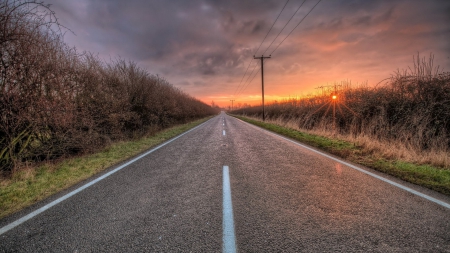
(281, 197)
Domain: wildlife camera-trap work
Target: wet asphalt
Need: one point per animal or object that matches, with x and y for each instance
(285, 199)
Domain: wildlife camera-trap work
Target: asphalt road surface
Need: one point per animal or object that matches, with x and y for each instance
(283, 198)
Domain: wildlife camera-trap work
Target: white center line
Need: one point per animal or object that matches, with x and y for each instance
(223, 132)
(229, 240)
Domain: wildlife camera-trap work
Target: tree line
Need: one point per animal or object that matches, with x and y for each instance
(55, 101)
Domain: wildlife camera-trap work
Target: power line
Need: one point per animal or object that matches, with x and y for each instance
(260, 46)
(246, 83)
(255, 74)
(251, 80)
(271, 27)
(237, 88)
(284, 27)
(296, 25)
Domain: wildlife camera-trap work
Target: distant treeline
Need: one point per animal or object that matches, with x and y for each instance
(412, 108)
(55, 101)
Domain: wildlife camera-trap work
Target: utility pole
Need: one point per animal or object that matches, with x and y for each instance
(321, 87)
(262, 57)
(232, 104)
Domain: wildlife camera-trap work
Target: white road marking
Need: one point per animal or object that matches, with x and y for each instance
(70, 194)
(437, 201)
(223, 133)
(229, 239)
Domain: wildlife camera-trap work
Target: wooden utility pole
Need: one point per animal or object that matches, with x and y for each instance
(262, 57)
(232, 104)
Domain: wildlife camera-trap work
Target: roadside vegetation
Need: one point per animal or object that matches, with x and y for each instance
(400, 126)
(56, 102)
(30, 185)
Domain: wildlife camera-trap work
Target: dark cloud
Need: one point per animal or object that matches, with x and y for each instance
(209, 43)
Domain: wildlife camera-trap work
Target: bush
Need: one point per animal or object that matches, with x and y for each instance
(56, 102)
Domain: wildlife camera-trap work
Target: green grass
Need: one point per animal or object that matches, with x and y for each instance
(29, 186)
(434, 178)
(331, 145)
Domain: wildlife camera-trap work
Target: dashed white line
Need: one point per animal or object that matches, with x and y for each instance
(223, 133)
(229, 239)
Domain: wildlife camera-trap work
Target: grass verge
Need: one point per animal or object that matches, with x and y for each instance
(434, 178)
(29, 186)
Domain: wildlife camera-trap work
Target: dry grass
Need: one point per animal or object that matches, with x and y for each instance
(378, 148)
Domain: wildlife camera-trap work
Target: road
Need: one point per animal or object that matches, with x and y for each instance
(283, 198)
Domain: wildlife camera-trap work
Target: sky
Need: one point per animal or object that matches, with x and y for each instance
(206, 47)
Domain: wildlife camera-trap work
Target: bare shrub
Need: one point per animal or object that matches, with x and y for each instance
(56, 102)
(33, 94)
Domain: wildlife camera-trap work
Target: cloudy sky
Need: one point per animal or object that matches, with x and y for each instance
(206, 47)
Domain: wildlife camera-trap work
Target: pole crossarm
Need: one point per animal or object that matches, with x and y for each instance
(232, 100)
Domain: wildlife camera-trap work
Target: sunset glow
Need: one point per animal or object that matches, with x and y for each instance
(206, 48)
